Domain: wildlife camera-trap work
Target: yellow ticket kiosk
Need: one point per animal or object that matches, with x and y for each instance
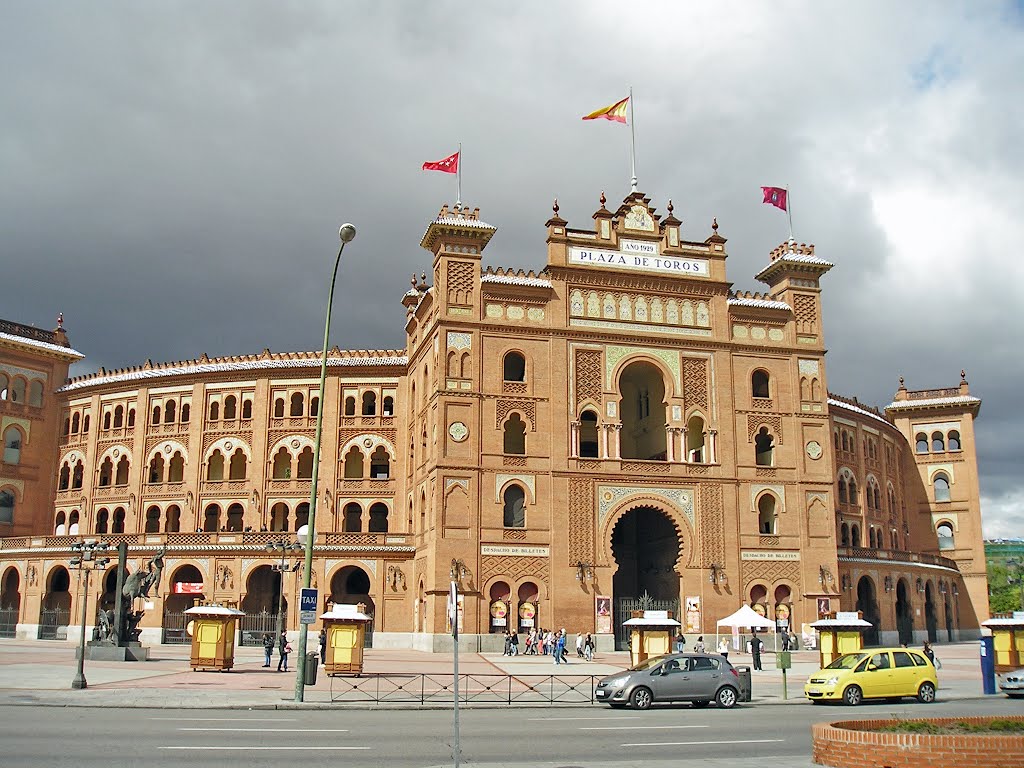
(1007, 640)
(213, 636)
(842, 632)
(650, 634)
(346, 634)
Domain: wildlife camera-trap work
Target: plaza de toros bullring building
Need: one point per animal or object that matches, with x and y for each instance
(618, 430)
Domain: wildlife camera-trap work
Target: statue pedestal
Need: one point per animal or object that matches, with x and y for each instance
(99, 650)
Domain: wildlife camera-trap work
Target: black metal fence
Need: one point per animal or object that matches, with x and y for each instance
(473, 689)
(174, 628)
(8, 622)
(253, 626)
(51, 620)
(624, 607)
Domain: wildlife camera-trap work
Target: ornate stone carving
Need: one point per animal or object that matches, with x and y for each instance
(588, 375)
(514, 567)
(580, 524)
(460, 340)
(771, 571)
(614, 354)
(460, 283)
(756, 420)
(506, 405)
(609, 496)
(712, 544)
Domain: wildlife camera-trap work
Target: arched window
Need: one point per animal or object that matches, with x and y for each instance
(172, 520)
(153, 520)
(759, 384)
(878, 497)
(73, 519)
(102, 521)
(119, 516)
(514, 511)
(922, 442)
(305, 469)
(154, 420)
(643, 412)
(515, 435)
(350, 406)
(78, 475)
(238, 467)
(118, 417)
(170, 410)
(380, 464)
(314, 406)
(121, 478)
(369, 403)
(186, 412)
(941, 486)
(938, 442)
(945, 534)
(378, 518)
(513, 367)
(211, 519)
(354, 464)
(230, 408)
(5, 385)
(764, 448)
(35, 393)
(844, 535)
(835, 439)
(297, 404)
(214, 411)
(279, 408)
(352, 518)
(12, 445)
(767, 516)
(18, 390)
(588, 435)
(106, 420)
(871, 538)
(855, 536)
(843, 497)
(176, 474)
(60, 527)
(695, 451)
(215, 468)
(85, 421)
(71, 427)
(156, 469)
(279, 517)
(64, 478)
(282, 469)
(247, 409)
(954, 440)
(106, 472)
(852, 483)
(389, 406)
(6, 507)
(236, 517)
(302, 515)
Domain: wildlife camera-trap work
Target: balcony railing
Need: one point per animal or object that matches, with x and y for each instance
(897, 556)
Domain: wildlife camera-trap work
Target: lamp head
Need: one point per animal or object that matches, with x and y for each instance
(347, 233)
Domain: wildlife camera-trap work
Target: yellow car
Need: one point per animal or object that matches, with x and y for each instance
(874, 673)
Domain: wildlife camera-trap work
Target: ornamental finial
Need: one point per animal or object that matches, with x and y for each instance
(670, 208)
(603, 199)
(60, 321)
(554, 207)
(714, 224)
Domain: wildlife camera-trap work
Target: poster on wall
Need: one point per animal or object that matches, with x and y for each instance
(759, 609)
(461, 608)
(527, 613)
(782, 617)
(499, 613)
(693, 614)
(603, 613)
(824, 606)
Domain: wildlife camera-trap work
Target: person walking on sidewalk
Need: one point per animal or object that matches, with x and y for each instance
(559, 648)
(755, 649)
(268, 649)
(283, 648)
(513, 643)
(323, 646)
(588, 647)
(723, 648)
(680, 642)
(579, 644)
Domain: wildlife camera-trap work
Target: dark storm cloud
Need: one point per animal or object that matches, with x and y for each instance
(174, 174)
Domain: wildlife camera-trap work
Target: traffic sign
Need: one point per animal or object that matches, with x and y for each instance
(453, 609)
(307, 606)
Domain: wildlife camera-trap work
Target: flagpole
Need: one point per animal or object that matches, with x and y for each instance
(458, 180)
(632, 140)
(789, 212)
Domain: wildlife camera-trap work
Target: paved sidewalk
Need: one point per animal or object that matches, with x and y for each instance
(40, 673)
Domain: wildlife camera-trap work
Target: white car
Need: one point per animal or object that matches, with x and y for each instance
(1012, 683)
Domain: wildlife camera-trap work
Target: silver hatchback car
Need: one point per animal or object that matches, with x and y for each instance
(697, 677)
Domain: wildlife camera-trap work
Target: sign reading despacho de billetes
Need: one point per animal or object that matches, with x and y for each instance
(640, 257)
(514, 551)
(755, 555)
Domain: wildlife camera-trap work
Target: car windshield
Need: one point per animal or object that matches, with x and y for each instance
(849, 661)
(648, 663)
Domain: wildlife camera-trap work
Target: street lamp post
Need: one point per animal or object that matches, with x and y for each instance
(284, 547)
(88, 556)
(346, 234)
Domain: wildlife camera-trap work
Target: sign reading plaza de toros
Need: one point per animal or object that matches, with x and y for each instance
(637, 255)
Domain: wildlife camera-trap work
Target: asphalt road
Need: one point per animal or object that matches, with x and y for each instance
(565, 736)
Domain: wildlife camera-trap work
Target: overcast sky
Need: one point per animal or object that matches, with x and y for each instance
(172, 175)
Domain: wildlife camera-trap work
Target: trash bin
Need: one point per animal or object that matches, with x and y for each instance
(745, 683)
(312, 664)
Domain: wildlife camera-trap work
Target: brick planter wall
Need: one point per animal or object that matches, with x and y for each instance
(854, 744)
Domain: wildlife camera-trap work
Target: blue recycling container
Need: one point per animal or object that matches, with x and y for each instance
(988, 665)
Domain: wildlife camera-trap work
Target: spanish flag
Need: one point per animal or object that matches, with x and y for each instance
(616, 112)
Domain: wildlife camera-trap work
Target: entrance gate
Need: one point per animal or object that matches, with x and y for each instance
(253, 626)
(8, 621)
(50, 619)
(624, 607)
(174, 628)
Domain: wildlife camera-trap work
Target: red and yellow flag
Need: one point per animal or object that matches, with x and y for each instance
(616, 112)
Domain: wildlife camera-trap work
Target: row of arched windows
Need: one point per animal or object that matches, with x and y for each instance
(368, 405)
(640, 308)
(78, 422)
(295, 405)
(352, 518)
(18, 389)
(116, 418)
(168, 413)
(354, 463)
(939, 443)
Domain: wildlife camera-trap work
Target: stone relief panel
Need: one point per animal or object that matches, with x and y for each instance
(615, 354)
(530, 481)
(507, 405)
(514, 568)
(756, 420)
(581, 520)
(712, 542)
(609, 496)
(459, 340)
(588, 375)
(771, 571)
(695, 383)
(460, 283)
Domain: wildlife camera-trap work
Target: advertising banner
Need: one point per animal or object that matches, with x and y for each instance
(603, 614)
(693, 614)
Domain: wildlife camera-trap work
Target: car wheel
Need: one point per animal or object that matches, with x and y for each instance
(726, 697)
(926, 693)
(641, 698)
(700, 703)
(853, 696)
(617, 704)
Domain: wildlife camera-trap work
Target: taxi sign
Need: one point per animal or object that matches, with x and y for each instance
(307, 606)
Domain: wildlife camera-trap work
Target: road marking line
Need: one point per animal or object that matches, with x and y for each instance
(545, 719)
(639, 727)
(250, 747)
(697, 743)
(271, 730)
(226, 719)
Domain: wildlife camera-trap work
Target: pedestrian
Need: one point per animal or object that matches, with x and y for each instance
(513, 642)
(928, 652)
(508, 644)
(698, 647)
(785, 641)
(588, 647)
(323, 646)
(755, 649)
(283, 648)
(794, 642)
(541, 642)
(559, 649)
(579, 644)
(680, 642)
(723, 648)
(268, 648)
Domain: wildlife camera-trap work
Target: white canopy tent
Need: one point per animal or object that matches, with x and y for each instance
(746, 618)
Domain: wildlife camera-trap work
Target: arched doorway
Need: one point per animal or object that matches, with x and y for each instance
(260, 604)
(498, 608)
(527, 611)
(642, 411)
(351, 585)
(186, 590)
(10, 602)
(931, 618)
(867, 604)
(55, 608)
(645, 546)
(904, 613)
